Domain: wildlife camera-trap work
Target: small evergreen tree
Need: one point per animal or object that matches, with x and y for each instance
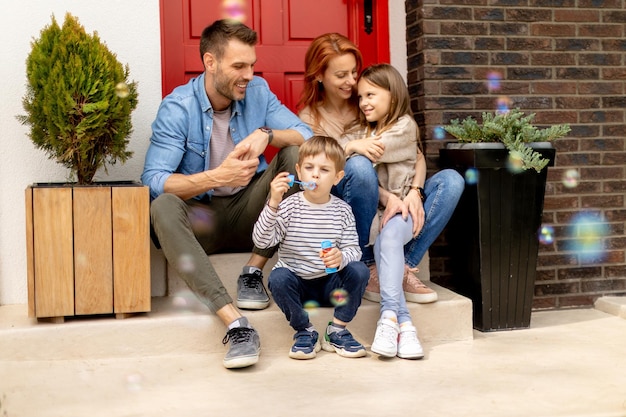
(78, 100)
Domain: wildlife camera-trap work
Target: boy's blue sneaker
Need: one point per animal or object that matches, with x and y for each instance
(343, 343)
(306, 345)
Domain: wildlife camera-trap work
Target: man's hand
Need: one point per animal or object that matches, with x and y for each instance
(256, 142)
(236, 170)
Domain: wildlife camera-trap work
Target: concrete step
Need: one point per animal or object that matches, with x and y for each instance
(180, 324)
(615, 305)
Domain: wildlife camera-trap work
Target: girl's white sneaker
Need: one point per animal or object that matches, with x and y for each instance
(386, 338)
(409, 346)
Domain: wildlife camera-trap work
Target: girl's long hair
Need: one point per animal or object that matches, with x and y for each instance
(320, 52)
(387, 77)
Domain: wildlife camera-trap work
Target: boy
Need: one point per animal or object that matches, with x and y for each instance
(298, 225)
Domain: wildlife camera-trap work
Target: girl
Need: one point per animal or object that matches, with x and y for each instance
(328, 104)
(386, 115)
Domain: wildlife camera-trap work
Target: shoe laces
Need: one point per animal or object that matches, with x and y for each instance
(238, 335)
(413, 280)
(408, 336)
(387, 331)
(252, 281)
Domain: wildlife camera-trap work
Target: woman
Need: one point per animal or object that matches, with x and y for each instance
(329, 104)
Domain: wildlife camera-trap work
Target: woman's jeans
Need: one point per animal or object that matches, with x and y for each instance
(443, 191)
(359, 188)
(290, 293)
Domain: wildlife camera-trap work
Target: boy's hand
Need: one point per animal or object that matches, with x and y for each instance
(332, 257)
(278, 187)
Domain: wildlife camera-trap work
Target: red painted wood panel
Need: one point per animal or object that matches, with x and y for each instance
(285, 28)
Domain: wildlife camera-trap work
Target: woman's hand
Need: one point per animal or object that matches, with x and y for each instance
(416, 209)
(371, 148)
(393, 206)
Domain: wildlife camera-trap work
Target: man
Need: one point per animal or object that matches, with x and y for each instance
(209, 180)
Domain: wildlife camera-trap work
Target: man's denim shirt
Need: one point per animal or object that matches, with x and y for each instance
(182, 129)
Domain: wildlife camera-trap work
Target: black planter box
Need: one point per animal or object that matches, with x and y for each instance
(493, 234)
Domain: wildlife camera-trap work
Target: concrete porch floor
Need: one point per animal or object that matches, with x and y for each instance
(568, 363)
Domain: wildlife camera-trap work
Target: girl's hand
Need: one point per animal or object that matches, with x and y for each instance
(416, 210)
(371, 148)
(393, 206)
(331, 257)
(278, 187)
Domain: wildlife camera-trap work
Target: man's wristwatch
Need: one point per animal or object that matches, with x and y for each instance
(420, 192)
(269, 132)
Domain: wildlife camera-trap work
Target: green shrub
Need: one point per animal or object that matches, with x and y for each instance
(78, 100)
(511, 128)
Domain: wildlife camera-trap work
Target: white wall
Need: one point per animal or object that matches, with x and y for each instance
(397, 36)
(131, 29)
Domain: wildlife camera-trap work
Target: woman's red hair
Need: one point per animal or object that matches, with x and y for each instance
(321, 51)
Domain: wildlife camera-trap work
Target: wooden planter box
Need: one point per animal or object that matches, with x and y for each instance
(493, 234)
(88, 249)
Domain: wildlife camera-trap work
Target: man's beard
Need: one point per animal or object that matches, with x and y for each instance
(224, 88)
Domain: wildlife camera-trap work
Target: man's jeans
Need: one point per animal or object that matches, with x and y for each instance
(189, 231)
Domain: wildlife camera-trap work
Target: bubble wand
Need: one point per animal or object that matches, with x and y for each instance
(307, 185)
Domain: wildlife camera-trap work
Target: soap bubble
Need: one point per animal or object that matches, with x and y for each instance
(186, 263)
(471, 176)
(308, 185)
(311, 307)
(571, 178)
(503, 104)
(122, 90)
(234, 10)
(515, 162)
(588, 232)
(201, 220)
(439, 132)
(134, 382)
(339, 297)
(493, 80)
(546, 235)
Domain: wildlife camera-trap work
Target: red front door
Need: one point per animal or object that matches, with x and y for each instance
(285, 28)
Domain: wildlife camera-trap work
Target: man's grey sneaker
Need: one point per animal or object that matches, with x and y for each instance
(245, 347)
(306, 345)
(251, 293)
(343, 343)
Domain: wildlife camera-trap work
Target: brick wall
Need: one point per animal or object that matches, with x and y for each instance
(565, 61)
